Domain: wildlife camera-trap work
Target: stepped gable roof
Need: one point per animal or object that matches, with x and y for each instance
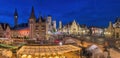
(4, 26)
(41, 19)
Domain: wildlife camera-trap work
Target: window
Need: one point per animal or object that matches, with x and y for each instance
(117, 35)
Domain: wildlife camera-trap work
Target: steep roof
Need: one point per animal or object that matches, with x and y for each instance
(41, 19)
(4, 26)
(32, 15)
(15, 13)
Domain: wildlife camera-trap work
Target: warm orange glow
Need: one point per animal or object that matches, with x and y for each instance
(24, 32)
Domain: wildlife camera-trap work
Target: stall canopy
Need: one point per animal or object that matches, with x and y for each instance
(47, 50)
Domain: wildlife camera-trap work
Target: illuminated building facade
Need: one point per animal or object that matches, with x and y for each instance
(34, 29)
(73, 28)
(5, 31)
(113, 30)
(96, 31)
(54, 26)
(37, 27)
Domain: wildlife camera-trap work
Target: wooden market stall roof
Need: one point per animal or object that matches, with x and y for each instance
(47, 50)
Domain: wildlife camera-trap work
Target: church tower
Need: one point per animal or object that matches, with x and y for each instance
(54, 25)
(32, 21)
(49, 19)
(16, 18)
(109, 31)
(110, 25)
(60, 25)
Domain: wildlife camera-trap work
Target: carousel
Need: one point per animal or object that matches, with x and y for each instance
(45, 51)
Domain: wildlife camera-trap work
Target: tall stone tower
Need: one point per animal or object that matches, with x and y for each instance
(60, 24)
(16, 18)
(54, 25)
(32, 21)
(49, 19)
(109, 31)
(110, 25)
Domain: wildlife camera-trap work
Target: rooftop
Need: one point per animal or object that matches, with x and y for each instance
(47, 50)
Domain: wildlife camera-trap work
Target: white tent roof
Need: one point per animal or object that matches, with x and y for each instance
(47, 50)
(92, 47)
(95, 49)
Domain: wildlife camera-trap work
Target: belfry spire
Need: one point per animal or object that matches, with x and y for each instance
(16, 18)
(32, 13)
(15, 13)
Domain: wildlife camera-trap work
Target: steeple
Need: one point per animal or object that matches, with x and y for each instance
(32, 13)
(74, 22)
(15, 18)
(110, 25)
(15, 13)
(40, 19)
(60, 24)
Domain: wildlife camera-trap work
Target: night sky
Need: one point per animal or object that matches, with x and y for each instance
(89, 12)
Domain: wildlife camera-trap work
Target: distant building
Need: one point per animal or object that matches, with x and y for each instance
(60, 24)
(49, 23)
(34, 29)
(5, 31)
(96, 31)
(16, 18)
(37, 28)
(54, 26)
(113, 30)
(73, 28)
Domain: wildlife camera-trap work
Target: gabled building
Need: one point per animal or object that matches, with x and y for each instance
(116, 27)
(73, 28)
(5, 30)
(36, 28)
(113, 30)
(96, 31)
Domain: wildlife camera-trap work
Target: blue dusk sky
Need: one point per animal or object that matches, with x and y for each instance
(89, 12)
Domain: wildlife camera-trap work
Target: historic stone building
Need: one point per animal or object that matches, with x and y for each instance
(73, 28)
(36, 28)
(113, 30)
(5, 31)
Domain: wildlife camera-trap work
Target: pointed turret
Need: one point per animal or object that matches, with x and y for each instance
(32, 13)
(32, 21)
(15, 13)
(74, 21)
(60, 24)
(110, 25)
(118, 19)
(40, 19)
